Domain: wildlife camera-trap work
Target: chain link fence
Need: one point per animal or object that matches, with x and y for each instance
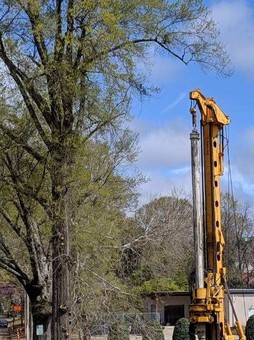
(99, 324)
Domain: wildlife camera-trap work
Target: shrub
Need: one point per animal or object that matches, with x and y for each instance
(249, 330)
(118, 330)
(152, 331)
(182, 330)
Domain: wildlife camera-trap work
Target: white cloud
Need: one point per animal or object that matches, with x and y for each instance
(160, 69)
(241, 187)
(164, 70)
(165, 157)
(165, 145)
(244, 159)
(239, 172)
(160, 184)
(235, 20)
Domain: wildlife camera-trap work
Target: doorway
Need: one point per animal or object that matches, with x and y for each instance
(172, 313)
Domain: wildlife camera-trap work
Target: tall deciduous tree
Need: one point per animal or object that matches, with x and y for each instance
(68, 70)
(238, 228)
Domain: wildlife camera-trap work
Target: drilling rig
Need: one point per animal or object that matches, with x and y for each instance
(207, 309)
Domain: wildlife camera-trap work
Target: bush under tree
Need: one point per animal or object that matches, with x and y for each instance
(152, 331)
(183, 330)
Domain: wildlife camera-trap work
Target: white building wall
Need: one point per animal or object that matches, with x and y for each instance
(243, 303)
(244, 307)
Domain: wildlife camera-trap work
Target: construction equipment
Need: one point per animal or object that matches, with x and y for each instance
(207, 309)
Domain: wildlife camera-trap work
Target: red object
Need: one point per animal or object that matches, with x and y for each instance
(17, 308)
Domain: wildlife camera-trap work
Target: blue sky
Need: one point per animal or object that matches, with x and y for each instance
(164, 122)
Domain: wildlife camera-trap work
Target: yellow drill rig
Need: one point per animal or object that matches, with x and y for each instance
(207, 309)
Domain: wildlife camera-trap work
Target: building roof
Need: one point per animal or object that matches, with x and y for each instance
(244, 291)
(166, 293)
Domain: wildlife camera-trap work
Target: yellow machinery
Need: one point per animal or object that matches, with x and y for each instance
(207, 310)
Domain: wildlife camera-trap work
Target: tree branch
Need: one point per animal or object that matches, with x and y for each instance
(8, 263)
(32, 11)
(21, 143)
(23, 188)
(25, 86)
(69, 33)
(134, 42)
(59, 41)
(16, 228)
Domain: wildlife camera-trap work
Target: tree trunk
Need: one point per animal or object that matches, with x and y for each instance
(60, 293)
(41, 317)
(60, 244)
(40, 307)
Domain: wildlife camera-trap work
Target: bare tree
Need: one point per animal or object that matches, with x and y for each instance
(239, 231)
(161, 250)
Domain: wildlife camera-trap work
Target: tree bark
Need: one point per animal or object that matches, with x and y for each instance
(60, 301)
(60, 245)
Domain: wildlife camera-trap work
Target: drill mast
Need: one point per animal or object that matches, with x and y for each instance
(208, 301)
